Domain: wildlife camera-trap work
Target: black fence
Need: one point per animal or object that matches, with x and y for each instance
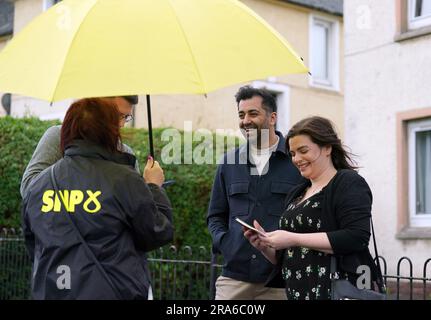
(188, 273)
(184, 273)
(176, 274)
(15, 266)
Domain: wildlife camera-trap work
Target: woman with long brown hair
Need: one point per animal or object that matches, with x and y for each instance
(327, 215)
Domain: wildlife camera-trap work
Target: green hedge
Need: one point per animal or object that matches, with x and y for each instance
(189, 195)
(18, 139)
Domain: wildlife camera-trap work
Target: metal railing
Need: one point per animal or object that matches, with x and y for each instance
(183, 273)
(15, 266)
(187, 273)
(180, 274)
(401, 287)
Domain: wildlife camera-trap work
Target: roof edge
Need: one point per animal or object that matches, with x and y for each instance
(314, 7)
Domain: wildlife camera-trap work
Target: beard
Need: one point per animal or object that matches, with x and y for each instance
(250, 132)
(256, 136)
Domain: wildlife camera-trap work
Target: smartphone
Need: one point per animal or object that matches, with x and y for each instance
(168, 183)
(245, 224)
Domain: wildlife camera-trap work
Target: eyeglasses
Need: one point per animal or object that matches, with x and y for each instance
(126, 117)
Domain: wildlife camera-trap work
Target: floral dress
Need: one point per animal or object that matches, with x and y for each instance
(305, 271)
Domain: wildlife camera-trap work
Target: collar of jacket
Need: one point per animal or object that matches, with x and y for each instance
(88, 149)
(281, 147)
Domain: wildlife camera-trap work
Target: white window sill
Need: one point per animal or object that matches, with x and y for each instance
(319, 86)
(413, 233)
(411, 34)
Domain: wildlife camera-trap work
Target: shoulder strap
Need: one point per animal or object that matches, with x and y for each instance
(377, 270)
(84, 243)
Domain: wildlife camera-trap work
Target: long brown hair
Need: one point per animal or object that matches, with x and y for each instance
(92, 119)
(321, 132)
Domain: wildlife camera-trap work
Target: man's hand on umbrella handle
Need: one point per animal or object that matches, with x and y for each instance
(153, 173)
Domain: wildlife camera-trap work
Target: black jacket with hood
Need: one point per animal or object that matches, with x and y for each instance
(117, 213)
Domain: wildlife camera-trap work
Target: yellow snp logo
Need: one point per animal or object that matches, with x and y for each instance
(52, 201)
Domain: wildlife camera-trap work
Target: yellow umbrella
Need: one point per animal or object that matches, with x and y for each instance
(89, 48)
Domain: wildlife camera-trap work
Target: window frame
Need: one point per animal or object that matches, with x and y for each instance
(404, 230)
(403, 32)
(414, 126)
(282, 92)
(333, 81)
(413, 22)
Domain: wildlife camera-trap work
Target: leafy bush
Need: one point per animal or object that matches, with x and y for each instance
(189, 195)
(18, 139)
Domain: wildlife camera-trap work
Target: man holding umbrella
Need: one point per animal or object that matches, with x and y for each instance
(253, 188)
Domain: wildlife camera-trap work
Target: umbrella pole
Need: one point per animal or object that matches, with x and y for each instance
(150, 126)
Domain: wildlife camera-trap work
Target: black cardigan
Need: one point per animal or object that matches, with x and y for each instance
(346, 211)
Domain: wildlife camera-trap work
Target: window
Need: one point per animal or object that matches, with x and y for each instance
(419, 14)
(281, 92)
(49, 3)
(6, 18)
(419, 162)
(324, 53)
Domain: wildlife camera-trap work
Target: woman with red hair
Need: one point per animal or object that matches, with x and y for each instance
(88, 218)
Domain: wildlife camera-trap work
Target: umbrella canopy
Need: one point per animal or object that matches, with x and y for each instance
(90, 48)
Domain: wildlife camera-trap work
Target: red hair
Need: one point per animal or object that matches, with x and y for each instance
(92, 119)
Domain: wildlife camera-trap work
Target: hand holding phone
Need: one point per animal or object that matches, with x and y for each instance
(245, 224)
